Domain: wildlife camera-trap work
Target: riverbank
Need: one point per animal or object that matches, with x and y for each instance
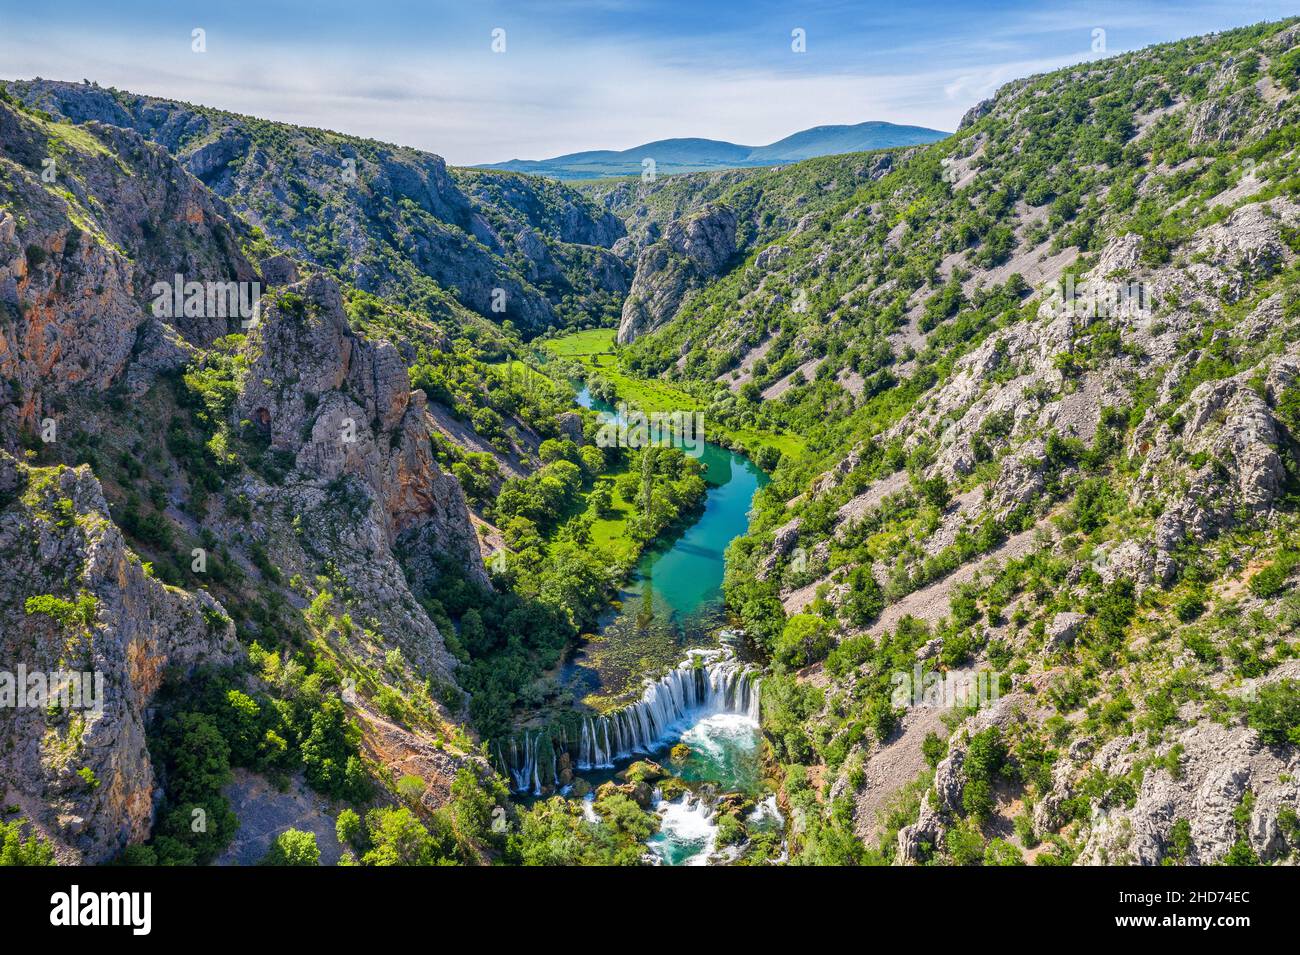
(675, 763)
(593, 351)
(672, 599)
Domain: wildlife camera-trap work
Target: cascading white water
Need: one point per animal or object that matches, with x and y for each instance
(523, 764)
(706, 683)
(703, 684)
(687, 829)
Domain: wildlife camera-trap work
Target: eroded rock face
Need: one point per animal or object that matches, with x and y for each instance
(359, 436)
(691, 251)
(1224, 462)
(76, 280)
(343, 406)
(362, 487)
(474, 233)
(83, 776)
(1217, 766)
(1064, 628)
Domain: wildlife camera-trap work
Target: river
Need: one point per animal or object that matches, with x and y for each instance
(671, 610)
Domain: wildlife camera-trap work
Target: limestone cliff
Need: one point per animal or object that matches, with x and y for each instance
(391, 220)
(692, 251)
(74, 599)
(343, 408)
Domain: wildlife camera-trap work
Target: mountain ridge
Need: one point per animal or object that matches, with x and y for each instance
(695, 154)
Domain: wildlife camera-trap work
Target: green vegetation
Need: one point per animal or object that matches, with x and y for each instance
(19, 845)
(207, 725)
(457, 834)
(592, 356)
(293, 847)
(554, 832)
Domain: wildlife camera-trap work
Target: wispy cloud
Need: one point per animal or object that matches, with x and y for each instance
(579, 75)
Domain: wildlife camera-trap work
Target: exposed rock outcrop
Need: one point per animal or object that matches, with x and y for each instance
(73, 598)
(343, 407)
(94, 241)
(691, 251)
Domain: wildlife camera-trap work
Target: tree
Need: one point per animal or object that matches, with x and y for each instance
(1276, 713)
(805, 639)
(17, 849)
(593, 459)
(553, 449)
(934, 748)
(293, 847)
(1001, 852)
(474, 635)
(329, 753)
(965, 844)
(348, 828)
(241, 727)
(865, 599)
(199, 757)
(601, 499)
(471, 807)
(935, 491)
(397, 837)
(551, 833)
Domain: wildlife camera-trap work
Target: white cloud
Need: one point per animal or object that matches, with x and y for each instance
(486, 107)
(560, 92)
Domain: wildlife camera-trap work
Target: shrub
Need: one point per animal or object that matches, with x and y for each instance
(1000, 852)
(934, 748)
(80, 612)
(805, 640)
(1180, 843)
(865, 599)
(348, 828)
(1276, 713)
(1271, 581)
(21, 847)
(293, 847)
(1189, 606)
(965, 844)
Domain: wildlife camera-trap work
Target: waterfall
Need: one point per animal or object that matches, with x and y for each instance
(707, 682)
(524, 767)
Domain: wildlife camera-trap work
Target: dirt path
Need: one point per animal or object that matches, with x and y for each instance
(746, 367)
(806, 370)
(854, 509)
(463, 436)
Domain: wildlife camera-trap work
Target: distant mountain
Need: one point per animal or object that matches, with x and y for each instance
(700, 155)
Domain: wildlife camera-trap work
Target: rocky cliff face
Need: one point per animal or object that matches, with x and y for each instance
(343, 408)
(767, 202)
(391, 220)
(281, 446)
(691, 252)
(74, 599)
(113, 216)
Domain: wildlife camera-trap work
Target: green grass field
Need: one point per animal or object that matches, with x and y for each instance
(594, 349)
(596, 341)
(610, 533)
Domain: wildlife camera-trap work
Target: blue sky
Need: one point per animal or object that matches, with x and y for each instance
(583, 75)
